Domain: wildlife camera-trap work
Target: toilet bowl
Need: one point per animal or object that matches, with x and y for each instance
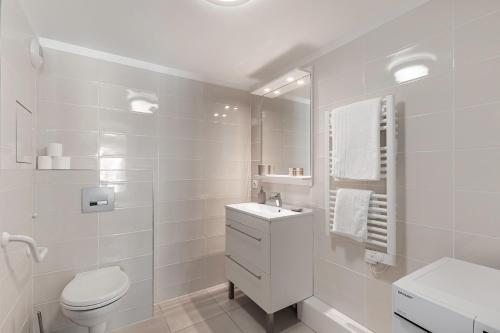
(91, 297)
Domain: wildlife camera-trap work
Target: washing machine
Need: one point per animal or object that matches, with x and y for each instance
(447, 296)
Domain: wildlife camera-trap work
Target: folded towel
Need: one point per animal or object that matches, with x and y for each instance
(351, 213)
(356, 140)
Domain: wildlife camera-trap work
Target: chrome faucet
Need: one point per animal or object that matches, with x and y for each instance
(276, 197)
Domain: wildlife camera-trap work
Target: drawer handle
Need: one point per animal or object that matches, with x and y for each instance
(244, 233)
(246, 269)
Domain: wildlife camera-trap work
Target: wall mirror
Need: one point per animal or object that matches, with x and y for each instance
(285, 108)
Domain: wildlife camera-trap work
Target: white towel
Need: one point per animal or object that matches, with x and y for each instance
(356, 140)
(351, 213)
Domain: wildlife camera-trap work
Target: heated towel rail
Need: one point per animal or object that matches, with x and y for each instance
(381, 243)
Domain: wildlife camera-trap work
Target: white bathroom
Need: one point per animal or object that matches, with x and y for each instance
(240, 166)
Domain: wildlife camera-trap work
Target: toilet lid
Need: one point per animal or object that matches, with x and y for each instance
(95, 287)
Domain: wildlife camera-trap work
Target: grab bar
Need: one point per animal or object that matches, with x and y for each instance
(39, 253)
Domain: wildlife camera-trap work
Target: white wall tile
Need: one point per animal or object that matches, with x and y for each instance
(477, 170)
(426, 133)
(477, 84)
(477, 249)
(181, 273)
(477, 127)
(170, 233)
(125, 220)
(478, 40)
(181, 252)
(341, 288)
(477, 213)
(60, 116)
(123, 122)
(382, 41)
(66, 90)
(423, 243)
(69, 255)
(117, 247)
(112, 144)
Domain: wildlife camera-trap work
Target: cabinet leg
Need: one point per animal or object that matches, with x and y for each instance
(270, 323)
(231, 290)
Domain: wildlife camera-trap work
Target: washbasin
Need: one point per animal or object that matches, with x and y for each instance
(266, 212)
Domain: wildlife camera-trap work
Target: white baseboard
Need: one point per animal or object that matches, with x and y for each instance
(322, 318)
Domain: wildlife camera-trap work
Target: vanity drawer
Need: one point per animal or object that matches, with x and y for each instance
(248, 220)
(254, 283)
(250, 244)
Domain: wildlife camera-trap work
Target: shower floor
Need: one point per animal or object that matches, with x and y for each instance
(210, 311)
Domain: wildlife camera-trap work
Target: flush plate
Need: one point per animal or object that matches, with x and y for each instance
(98, 199)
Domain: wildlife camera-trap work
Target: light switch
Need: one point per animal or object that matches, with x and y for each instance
(98, 199)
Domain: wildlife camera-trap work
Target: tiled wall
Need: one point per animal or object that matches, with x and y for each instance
(147, 134)
(448, 179)
(204, 163)
(18, 82)
(79, 242)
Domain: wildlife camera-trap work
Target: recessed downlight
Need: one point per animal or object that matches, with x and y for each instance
(267, 90)
(277, 92)
(228, 2)
(290, 79)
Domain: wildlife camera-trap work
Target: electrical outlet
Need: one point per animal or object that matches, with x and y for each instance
(255, 184)
(373, 257)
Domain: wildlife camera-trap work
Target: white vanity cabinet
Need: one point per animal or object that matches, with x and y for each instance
(269, 255)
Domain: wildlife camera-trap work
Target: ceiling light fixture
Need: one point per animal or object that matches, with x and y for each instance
(228, 2)
(277, 92)
(267, 90)
(290, 79)
(300, 82)
(227, 107)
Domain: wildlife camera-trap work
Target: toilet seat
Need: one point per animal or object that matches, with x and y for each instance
(95, 289)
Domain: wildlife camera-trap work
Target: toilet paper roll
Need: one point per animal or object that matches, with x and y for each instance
(54, 149)
(61, 162)
(44, 162)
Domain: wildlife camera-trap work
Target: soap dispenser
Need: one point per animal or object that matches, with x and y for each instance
(261, 197)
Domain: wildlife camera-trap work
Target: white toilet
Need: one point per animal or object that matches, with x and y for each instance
(90, 298)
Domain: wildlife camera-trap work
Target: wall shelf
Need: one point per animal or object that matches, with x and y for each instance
(285, 179)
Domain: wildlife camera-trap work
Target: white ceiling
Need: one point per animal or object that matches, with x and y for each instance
(237, 46)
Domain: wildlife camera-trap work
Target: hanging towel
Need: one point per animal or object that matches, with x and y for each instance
(350, 217)
(356, 140)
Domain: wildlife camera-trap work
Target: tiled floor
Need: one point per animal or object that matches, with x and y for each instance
(210, 311)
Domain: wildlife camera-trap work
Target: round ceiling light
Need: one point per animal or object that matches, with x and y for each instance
(228, 2)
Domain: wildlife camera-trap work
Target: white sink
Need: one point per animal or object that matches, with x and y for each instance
(267, 212)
